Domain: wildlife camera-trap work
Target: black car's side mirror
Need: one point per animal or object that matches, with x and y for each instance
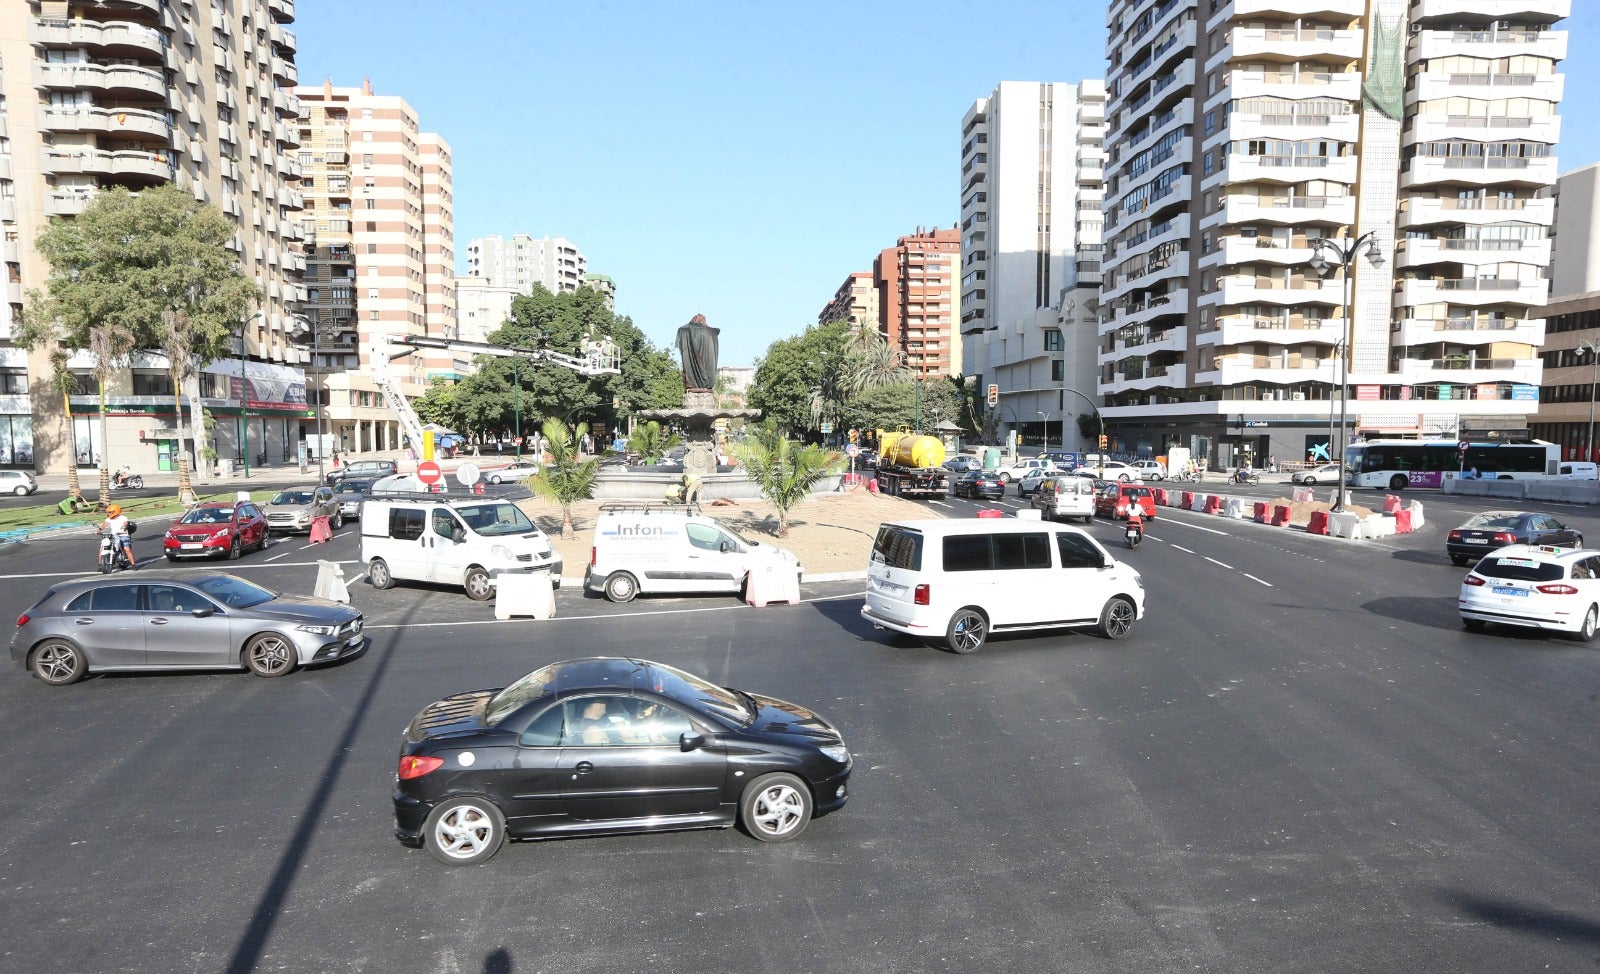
(204, 612)
(690, 741)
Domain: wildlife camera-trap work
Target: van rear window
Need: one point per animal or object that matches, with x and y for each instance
(898, 548)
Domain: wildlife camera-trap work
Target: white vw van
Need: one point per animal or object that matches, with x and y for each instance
(669, 548)
(452, 541)
(958, 580)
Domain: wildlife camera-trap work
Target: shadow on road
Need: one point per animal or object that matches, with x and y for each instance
(1538, 921)
(1437, 612)
(1422, 557)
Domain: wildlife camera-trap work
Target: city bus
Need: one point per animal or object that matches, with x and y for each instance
(1398, 464)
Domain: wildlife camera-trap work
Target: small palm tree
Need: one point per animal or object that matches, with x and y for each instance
(61, 380)
(651, 443)
(110, 344)
(567, 479)
(783, 469)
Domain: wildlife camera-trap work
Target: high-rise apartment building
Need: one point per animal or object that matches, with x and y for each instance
(1246, 130)
(481, 309)
(856, 301)
(522, 261)
(1031, 186)
(916, 285)
(1570, 383)
(380, 222)
(135, 94)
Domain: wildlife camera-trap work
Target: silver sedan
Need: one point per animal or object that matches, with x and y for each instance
(179, 622)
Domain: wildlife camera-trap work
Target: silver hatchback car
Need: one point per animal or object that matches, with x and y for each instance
(179, 622)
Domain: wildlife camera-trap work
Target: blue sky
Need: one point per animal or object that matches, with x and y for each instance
(730, 159)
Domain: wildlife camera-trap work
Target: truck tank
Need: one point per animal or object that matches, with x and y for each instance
(907, 450)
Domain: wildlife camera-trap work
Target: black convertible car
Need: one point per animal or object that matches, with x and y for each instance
(595, 746)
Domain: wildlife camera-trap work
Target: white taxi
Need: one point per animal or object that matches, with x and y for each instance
(1534, 587)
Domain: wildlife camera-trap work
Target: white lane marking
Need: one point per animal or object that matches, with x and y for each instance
(284, 555)
(1222, 563)
(1196, 526)
(608, 615)
(1255, 579)
(357, 580)
(941, 503)
(1182, 548)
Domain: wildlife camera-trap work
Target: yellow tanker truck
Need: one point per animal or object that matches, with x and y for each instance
(909, 465)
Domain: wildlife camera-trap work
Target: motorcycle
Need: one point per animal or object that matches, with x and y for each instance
(113, 553)
(1242, 477)
(131, 482)
(1134, 531)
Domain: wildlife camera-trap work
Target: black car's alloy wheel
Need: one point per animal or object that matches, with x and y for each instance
(269, 655)
(775, 807)
(968, 629)
(464, 831)
(58, 662)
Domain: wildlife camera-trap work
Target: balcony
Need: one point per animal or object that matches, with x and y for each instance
(113, 39)
(1470, 331)
(1290, 169)
(69, 201)
(1293, 329)
(284, 72)
(1420, 211)
(1469, 370)
(282, 37)
(1147, 342)
(1489, 43)
(1298, 44)
(121, 79)
(1293, 8)
(1235, 250)
(1478, 171)
(282, 10)
(126, 162)
(1340, 128)
(1281, 368)
(1145, 311)
(1146, 377)
(1295, 210)
(1251, 289)
(1473, 292)
(1421, 253)
(1287, 83)
(120, 123)
(1544, 11)
(1430, 87)
(1483, 128)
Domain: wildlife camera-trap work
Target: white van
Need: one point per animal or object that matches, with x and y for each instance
(1576, 470)
(1061, 498)
(958, 580)
(672, 548)
(451, 540)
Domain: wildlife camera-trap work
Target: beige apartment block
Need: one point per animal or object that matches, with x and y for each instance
(135, 94)
(379, 219)
(856, 301)
(1243, 131)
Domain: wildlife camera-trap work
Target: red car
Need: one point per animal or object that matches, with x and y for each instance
(217, 528)
(1115, 501)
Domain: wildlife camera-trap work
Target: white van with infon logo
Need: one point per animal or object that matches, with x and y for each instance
(649, 548)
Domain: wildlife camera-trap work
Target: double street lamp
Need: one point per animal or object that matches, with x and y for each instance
(1588, 345)
(1344, 255)
(1045, 416)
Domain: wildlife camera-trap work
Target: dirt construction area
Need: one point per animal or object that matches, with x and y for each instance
(828, 532)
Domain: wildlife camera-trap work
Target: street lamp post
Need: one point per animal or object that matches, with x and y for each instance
(1345, 256)
(516, 384)
(1097, 415)
(1589, 345)
(1044, 415)
(244, 394)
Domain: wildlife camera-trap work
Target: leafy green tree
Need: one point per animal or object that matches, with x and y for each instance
(796, 382)
(872, 363)
(568, 478)
(782, 468)
(439, 405)
(902, 404)
(651, 442)
(155, 269)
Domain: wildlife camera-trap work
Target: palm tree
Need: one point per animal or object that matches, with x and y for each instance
(62, 381)
(783, 469)
(871, 363)
(651, 443)
(182, 340)
(567, 479)
(110, 345)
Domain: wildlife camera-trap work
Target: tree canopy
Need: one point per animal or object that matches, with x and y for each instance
(797, 372)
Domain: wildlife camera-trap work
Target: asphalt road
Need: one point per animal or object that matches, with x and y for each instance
(1298, 762)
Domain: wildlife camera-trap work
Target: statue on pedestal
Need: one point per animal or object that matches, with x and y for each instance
(697, 349)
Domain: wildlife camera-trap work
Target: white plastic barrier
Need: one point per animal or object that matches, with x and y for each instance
(330, 583)
(1377, 526)
(1301, 495)
(530, 595)
(1200, 501)
(1344, 525)
(1029, 514)
(1416, 515)
(1233, 507)
(772, 583)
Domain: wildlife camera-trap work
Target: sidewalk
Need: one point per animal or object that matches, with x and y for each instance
(272, 473)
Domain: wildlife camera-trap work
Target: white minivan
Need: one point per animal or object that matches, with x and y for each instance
(958, 580)
(643, 547)
(451, 541)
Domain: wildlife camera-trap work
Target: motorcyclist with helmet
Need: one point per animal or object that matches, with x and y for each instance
(116, 525)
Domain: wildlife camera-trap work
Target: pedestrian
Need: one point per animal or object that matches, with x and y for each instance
(1272, 463)
(336, 459)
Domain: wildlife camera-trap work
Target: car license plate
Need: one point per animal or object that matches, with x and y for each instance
(191, 546)
(1502, 590)
(1477, 541)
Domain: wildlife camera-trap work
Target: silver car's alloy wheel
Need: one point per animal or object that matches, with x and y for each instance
(58, 663)
(776, 807)
(378, 574)
(269, 654)
(464, 831)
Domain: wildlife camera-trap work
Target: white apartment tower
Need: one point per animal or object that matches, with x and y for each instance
(380, 219)
(136, 94)
(1246, 130)
(521, 262)
(1031, 173)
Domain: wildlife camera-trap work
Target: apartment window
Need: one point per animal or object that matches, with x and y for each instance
(1052, 340)
(1211, 122)
(366, 159)
(372, 316)
(372, 248)
(1058, 370)
(1210, 164)
(372, 293)
(372, 204)
(372, 226)
(366, 136)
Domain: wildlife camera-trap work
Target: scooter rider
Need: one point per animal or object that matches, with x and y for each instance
(116, 525)
(1135, 529)
(120, 478)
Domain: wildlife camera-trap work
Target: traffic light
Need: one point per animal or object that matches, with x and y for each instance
(1104, 441)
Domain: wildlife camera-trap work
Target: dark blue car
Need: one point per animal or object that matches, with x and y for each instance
(980, 483)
